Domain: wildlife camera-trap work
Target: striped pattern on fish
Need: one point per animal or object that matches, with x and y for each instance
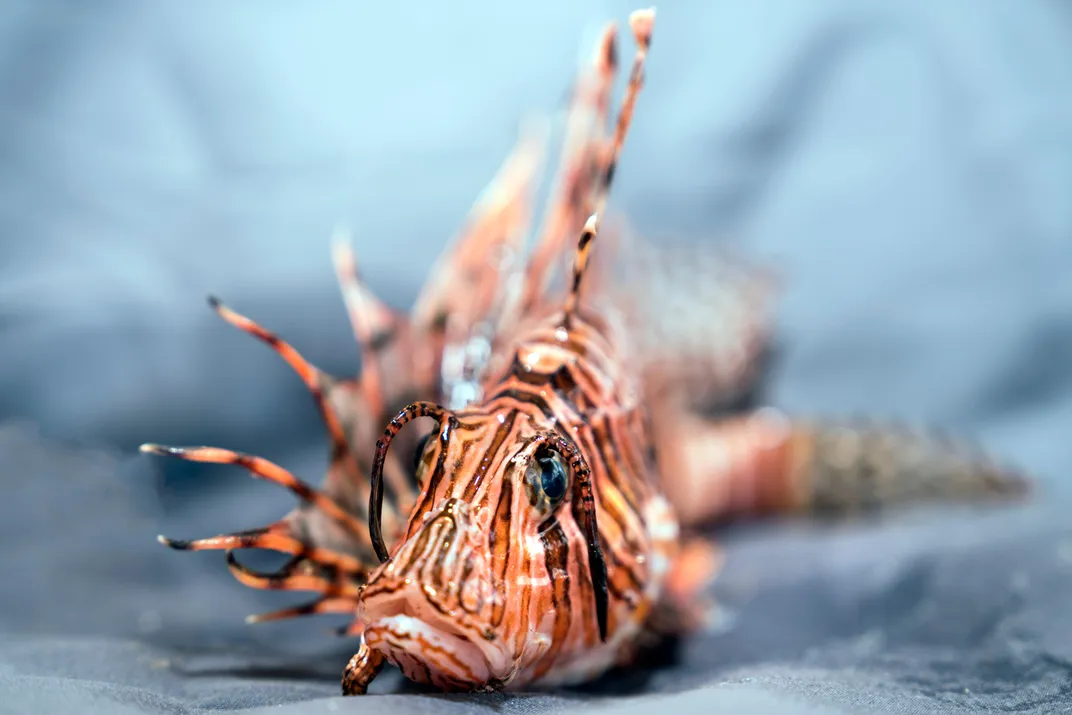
(531, 514)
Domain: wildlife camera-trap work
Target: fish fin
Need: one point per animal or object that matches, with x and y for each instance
(467, 284)
(686, 604)
(476, 281)
(588, 164)
(698, 317)
(334, 517)
(581, 165)
(338, 577)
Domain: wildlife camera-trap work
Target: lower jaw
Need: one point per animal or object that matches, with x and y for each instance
(429, 655)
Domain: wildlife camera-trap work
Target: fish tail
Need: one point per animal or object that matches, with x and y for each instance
(766, 463)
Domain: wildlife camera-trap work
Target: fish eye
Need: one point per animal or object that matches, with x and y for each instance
(552, 476)
(548, 479)
(418, 451)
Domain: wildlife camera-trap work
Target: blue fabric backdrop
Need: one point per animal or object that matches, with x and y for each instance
(908, 166)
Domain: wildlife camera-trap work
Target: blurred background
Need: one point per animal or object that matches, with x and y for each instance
(906, 165)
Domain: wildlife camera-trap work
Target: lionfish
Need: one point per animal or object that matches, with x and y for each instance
(546, 521)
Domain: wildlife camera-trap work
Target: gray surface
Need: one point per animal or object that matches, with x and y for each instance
(928, 613)
(907, 166)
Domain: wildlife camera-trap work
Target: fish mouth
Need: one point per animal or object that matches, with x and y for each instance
(430, 649)
(427, 608)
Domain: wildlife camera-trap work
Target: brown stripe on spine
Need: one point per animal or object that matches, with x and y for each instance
(592, 381)
(425, 503)
(504, 430)
(613, 519)
(586, 341)
(595, 322)
(522, 396)
(611, 460)
(499, 548)
(416, 556)
(564, 383)
(521, 622)
(381, 339)
(536, 387)
(556, 559)
(586, 621)
(627, 541)
(535, 394)
(622, 581)
(426, 558)
(463, 580)
(633, 439)
(522, 373)
(446, 541)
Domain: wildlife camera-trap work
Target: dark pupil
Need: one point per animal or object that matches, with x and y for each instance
(419, 452)
(552, 478)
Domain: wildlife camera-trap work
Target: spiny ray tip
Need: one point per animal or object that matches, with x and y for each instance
(177, 544)
(642, 23)
(150, 448)
(606, 56)
(342, 246)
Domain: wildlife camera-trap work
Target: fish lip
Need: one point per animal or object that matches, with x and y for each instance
(403, 633)
(467, 635)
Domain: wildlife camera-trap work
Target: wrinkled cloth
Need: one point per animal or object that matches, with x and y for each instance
(905, 166)
(930, 612)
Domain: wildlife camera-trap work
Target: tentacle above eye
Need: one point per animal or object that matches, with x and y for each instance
(407, 414)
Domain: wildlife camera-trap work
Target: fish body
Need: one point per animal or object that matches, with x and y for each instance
(494, 581)
(531, 514)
